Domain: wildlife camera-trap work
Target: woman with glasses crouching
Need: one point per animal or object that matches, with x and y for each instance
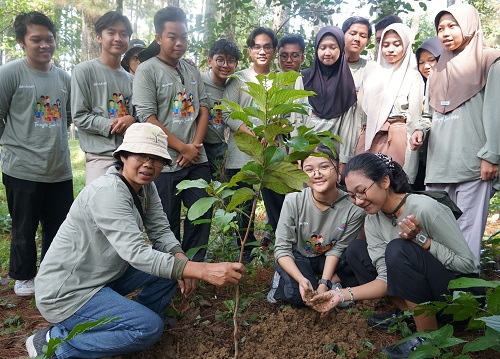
(314, 229)
(413, 245)
(100, 254)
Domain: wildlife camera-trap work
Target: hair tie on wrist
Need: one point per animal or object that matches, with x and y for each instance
(350, 293)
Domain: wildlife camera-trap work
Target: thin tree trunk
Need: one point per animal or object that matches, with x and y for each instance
(90, 48)
(281, 22)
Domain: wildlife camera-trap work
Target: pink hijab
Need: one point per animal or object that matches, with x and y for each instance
(458, 77)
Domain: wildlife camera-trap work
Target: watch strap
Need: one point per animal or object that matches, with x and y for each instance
(326, 282)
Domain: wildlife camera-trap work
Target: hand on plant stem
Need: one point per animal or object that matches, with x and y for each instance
(222, 274)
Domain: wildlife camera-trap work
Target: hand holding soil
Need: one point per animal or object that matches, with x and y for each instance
(324, 303)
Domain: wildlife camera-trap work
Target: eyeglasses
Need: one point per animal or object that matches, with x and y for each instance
(157, 162)
(230, 62)
(360, 195)
(324, 170)
(267, 48)
(294, 55)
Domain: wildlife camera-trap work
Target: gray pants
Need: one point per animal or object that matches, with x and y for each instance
(96, 166)
(473, 198)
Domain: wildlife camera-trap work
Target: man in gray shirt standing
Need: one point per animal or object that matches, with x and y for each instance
(170, 93)
(101, 98)
(36, 169)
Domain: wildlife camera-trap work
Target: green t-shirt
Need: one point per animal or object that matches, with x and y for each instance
(34, 136)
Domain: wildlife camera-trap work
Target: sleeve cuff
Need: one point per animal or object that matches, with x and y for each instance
(179, 265)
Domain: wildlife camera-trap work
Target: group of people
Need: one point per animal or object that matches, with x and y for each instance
(145, 115)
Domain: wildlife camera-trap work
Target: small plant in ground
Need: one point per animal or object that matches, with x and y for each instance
(11, 325)
(334, 348)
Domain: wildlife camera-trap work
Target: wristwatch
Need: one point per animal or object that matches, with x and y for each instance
(421, 239)
(326, 282)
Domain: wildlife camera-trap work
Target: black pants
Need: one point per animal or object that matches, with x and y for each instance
(31, 203)
(194, 235)
(215, 154)
(288, 288)
(273, 202)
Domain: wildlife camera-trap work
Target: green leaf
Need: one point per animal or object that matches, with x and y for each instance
(241, 195)
(234, 106)
(288, 95)
(253, 112)
(258, 93)
(273, 154)
(481, 343)
(250, 145)
(286, 173)
(200, 207)
(271, 131)
(185, 184)
(463, 282)
(298, 143)
(223, 218)
(246, 176)
(285, 109)
(192, 251)
(493, 322)
(494, 301)
(425, 351)
(450, 342)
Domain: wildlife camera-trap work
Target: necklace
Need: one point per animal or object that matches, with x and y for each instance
(353, 62)
(331, 205)
(392, 215)
(174, 66)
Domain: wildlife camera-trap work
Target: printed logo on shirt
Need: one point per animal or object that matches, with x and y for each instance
(64, 89)
(26, 86)
(100, 83)
(118, 106)
(193, 80)
(342, 226)
(215, 116)
(318, 244)
(46, 112)
(183, 107)
(441, 117)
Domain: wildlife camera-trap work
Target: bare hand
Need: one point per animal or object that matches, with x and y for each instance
(187, 286)
(190, 153)
(225, 273)
(306, 290)
(416, 140)
(410, 228)
(324, 303)
(121, 124)
(489, 171)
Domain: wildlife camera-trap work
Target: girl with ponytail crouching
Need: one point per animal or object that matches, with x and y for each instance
(413, 246)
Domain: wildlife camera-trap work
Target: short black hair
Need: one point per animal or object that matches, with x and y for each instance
(357, 20)
(110, 18)
(31, 18)
(293, 39)
(224, 47)
(168, 14)
(259, 31)
(388, 20)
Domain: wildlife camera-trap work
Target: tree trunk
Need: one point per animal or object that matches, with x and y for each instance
(90, 48)
(281, 22)
(173, 3)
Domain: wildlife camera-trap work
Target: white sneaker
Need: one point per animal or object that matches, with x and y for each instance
(274, 286)
(25, 288)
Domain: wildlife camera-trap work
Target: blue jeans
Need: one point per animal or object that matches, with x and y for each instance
(139, 324)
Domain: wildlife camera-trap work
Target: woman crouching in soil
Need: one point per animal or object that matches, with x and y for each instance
(413, 246)
(100, 255)
(315, 227)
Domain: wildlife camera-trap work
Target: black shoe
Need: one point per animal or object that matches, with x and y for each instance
(403, 350)
(384, 321)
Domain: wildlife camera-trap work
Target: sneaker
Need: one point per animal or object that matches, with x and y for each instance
(403, 350)
(385, 321)
(25, 288)
(274, 286)
(36, 342)
(338, 286)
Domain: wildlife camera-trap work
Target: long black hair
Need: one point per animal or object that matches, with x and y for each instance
(376, 167)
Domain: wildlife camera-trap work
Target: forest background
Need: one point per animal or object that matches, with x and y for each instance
(210, 20)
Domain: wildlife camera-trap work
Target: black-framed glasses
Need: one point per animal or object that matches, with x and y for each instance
(157, 162)
(230, 62)
(360, 195)
(267, 48)
(324, 170)
(294, 55)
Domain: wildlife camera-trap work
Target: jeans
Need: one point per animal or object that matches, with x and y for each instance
(30, 203)
(139, 324)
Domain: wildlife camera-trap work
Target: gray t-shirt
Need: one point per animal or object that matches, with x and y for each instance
(97, 242)
(159, 91)
(304, 228)
(34, 138)
(216, 127)
(437, 221)
(99, 96)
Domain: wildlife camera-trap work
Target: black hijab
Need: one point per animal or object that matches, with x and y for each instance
(434, 46)
(334, 85)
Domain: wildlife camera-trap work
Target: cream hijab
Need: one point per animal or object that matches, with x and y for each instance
(458, 77)
(383, 86)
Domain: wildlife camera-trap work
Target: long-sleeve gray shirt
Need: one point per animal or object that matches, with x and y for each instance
(99, 239)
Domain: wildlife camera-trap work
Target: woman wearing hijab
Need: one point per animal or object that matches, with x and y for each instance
(464, 142)
(393, 101)
(331, 79)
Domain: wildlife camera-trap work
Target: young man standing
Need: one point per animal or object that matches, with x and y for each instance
(101, 90)
(36, 168)
(262, 43)
(291, 52)
(222, 61)
(170, 93)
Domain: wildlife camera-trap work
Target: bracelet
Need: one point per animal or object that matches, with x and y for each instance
(351, 294)
(340, 294)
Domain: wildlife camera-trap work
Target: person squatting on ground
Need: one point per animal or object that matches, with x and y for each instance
(36, 167)
(464, 140)
(101, 96)
(316, 226)
(170, 93)
(100, 255)
(413, 246)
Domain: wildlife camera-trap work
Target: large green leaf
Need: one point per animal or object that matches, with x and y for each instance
(493, 322)
(276, 185)
(241, 116)
(489, 340)
(234, 106)
(192, 251)
(273, 154)
(285, 109)
(298, 143)
(463, 282)
(250, 145)
(425, 351)
(271, 131)
(241, 195)
(249, 177)
(223, 218)
(288, 95)
(200, 207)
(253, 112)
(288, 174)
(296, 156)
(185, 184)
(258, 93)
(494, 301)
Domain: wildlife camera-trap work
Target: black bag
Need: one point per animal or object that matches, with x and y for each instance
(443, 198)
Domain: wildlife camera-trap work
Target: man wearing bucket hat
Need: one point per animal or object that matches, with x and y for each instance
(99, 255)
(131, 58)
